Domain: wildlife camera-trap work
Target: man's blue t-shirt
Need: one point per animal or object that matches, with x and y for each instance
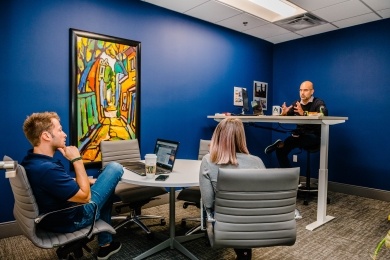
(52, 187)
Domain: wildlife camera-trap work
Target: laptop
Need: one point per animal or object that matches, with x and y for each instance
(165, 150)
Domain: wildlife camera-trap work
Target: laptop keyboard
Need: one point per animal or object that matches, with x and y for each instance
(161, 170)
(139, 168)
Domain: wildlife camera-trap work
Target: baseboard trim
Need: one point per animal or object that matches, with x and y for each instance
(9, 229)
(360, 191)
(365, 192)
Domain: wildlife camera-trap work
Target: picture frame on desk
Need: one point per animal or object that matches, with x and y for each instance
(260, 94)
(105, 86)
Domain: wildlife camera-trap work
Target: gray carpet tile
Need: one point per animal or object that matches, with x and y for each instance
(359, 225)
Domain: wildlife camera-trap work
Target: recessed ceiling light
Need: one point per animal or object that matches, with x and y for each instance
(270, 10)
(276, 6)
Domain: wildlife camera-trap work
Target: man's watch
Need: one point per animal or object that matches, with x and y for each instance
(76, 159)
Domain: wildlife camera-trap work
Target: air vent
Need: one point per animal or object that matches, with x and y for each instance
(300, 22)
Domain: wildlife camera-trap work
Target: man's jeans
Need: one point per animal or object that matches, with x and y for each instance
(303, 141)
(102, 194)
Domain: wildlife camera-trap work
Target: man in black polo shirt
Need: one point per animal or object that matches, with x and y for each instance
(304, 136)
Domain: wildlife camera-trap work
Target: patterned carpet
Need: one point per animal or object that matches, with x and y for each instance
(359, 225)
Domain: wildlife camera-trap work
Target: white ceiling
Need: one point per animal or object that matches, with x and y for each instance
(337, 14)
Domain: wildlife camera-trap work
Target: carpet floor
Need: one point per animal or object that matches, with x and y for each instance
(359, 225)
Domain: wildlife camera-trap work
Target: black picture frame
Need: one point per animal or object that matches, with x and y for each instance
(105, 89)
(260, 94)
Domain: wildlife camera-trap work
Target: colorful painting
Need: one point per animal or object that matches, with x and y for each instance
(105, 87)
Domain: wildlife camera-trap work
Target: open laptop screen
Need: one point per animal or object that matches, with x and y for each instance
(166, 153)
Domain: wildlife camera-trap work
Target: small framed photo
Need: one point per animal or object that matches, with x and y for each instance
(260, 93)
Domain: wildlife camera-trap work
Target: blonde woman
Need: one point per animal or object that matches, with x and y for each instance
(227, 150)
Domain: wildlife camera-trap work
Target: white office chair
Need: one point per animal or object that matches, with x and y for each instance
(27, 217)
(254, 208)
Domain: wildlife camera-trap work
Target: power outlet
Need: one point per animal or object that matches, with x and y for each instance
(295, 158)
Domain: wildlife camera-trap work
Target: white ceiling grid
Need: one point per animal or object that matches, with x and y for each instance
(337, 14)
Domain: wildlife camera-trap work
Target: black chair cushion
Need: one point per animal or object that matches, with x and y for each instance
(191, 194)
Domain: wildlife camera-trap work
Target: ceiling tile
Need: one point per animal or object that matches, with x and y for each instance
(316, 30)
(311, 5)
(237, 22)
(384, 13)
(365, 18)
(341, 14)
(177, 5)
(283, 37)
(342, 11)
(266, 31)
(378, 4)
(213, 12)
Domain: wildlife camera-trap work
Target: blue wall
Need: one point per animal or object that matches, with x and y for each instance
(188, 71)
(350, 69)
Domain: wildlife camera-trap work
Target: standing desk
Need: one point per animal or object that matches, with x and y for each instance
(325, 122)
(185, 174)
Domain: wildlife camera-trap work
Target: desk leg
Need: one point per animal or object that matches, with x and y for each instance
(172, 216)
(322, 218)
(172, 242)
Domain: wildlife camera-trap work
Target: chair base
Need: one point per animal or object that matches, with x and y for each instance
(74, 250)
(309, 192)
(137, 220)
(184, 221)
(193, 229)
(307, 187)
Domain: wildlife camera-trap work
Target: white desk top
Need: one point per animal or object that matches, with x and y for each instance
(327, 120)
(185, 174)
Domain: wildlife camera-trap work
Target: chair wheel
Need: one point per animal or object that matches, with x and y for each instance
(163, 222)
(185, 206)
(183, 223)
(305, 202)
(78, 253)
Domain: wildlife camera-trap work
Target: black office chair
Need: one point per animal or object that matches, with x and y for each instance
(191, 195)
(131, 196)
(26, 212)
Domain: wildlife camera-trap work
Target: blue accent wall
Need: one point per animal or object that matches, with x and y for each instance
(188, 71)
(350, 69)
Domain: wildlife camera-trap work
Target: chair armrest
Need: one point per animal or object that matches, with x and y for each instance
(89, 234)
(42, 216)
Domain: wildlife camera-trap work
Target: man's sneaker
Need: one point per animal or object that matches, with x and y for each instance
(270, 148)
(106, 252)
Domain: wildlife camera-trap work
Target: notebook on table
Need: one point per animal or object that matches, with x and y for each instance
(165, 150)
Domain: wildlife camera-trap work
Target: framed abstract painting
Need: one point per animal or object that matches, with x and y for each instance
(105, 91)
